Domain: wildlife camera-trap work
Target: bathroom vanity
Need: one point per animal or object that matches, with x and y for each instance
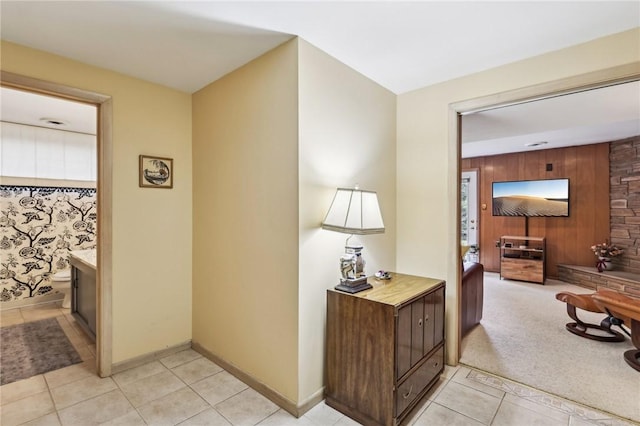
(83, 289)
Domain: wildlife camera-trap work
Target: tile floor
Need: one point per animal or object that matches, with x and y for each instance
(188, 389)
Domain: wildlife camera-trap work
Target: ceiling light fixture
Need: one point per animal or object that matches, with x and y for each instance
(54, 121)
(530, 144)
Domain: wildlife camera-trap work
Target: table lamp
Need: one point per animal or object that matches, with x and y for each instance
(355, 212)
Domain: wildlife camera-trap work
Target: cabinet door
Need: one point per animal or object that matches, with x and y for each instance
(438, 316)
(428, 323)
(417, 330)
(83, 287)
(403, 343)
(420, 329)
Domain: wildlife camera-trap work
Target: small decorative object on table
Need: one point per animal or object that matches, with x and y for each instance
(605, 251)
(383, 275)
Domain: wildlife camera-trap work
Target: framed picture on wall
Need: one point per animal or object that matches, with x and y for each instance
(155, 172)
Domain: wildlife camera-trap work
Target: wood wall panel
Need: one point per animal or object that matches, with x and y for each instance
(568, 239)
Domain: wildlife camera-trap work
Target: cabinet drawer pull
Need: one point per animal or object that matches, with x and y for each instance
(426, 318)
(408, 393)
(420, 322)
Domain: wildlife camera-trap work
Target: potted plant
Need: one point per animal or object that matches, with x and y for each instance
(605, 251)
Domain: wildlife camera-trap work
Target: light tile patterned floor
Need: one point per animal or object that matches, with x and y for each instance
(188, 389)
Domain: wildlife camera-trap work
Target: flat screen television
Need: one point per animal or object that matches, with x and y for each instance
(531, 198)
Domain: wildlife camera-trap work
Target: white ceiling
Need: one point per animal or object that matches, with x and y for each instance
(401, 45)
(593, 116)
(18, 106)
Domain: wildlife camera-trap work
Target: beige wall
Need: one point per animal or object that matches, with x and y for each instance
(151, 227)
(272, 141)
(347, 137)
(245, 243)
(427, 166)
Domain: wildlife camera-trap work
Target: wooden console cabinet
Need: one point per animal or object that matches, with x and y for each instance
(523, 258)
(385, 347)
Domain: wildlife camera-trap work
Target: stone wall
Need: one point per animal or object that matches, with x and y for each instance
(624, 176)
(588, 277)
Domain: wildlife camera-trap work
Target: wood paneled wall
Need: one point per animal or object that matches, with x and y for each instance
(569, 239)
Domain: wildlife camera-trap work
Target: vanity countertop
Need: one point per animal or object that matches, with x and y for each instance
(87, 257)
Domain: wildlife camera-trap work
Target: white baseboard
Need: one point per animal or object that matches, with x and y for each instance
(31, 301)
(151, 356)
(274, 396)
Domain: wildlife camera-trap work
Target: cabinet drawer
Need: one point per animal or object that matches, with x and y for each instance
(418, 381)
(522, 269)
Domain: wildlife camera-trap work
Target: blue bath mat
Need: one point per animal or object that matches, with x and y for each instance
(34, 348)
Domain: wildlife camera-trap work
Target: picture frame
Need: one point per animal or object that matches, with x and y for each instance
(155, 172)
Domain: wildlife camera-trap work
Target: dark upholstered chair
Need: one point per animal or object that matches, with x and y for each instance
(602, 332)
(472, 295)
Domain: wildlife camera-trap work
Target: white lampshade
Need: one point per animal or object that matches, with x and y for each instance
(354, 211)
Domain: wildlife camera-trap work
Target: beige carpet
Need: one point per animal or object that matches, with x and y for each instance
(522, 337)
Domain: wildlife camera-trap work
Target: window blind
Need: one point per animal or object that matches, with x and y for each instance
(37, 152)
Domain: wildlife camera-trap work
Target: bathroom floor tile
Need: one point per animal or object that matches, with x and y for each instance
(85, 353)
(436, 389)
(22, 388)
(436, 414)
(38, 312)
(509, 414)
(10, 317)
(346, 421)
(449, 371)
(179, 358)
(197, 369)
(417, 410)
(534, 406)
(76, 396)
(322, 414)
(138, 373)
(150, 388)
(70, 374)
(80, 331)
(283, 418)
(209, 417)
(103, 408)
(92, 349)
(470, 402)
(26, 409)
(246, 408)
(132, 418)
(173, 408)
(81, 390)
(76, 335)
(50, 419)
(461, 377)
(217, 388)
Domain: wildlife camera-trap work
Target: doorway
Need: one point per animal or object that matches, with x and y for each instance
(614, 76)
(103, 106)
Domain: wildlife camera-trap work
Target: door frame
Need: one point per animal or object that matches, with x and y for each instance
(592, 80)
(104, 197)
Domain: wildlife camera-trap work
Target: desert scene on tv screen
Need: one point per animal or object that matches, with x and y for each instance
(531, 198)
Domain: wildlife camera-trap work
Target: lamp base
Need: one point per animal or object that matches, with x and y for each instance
(354, 286)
